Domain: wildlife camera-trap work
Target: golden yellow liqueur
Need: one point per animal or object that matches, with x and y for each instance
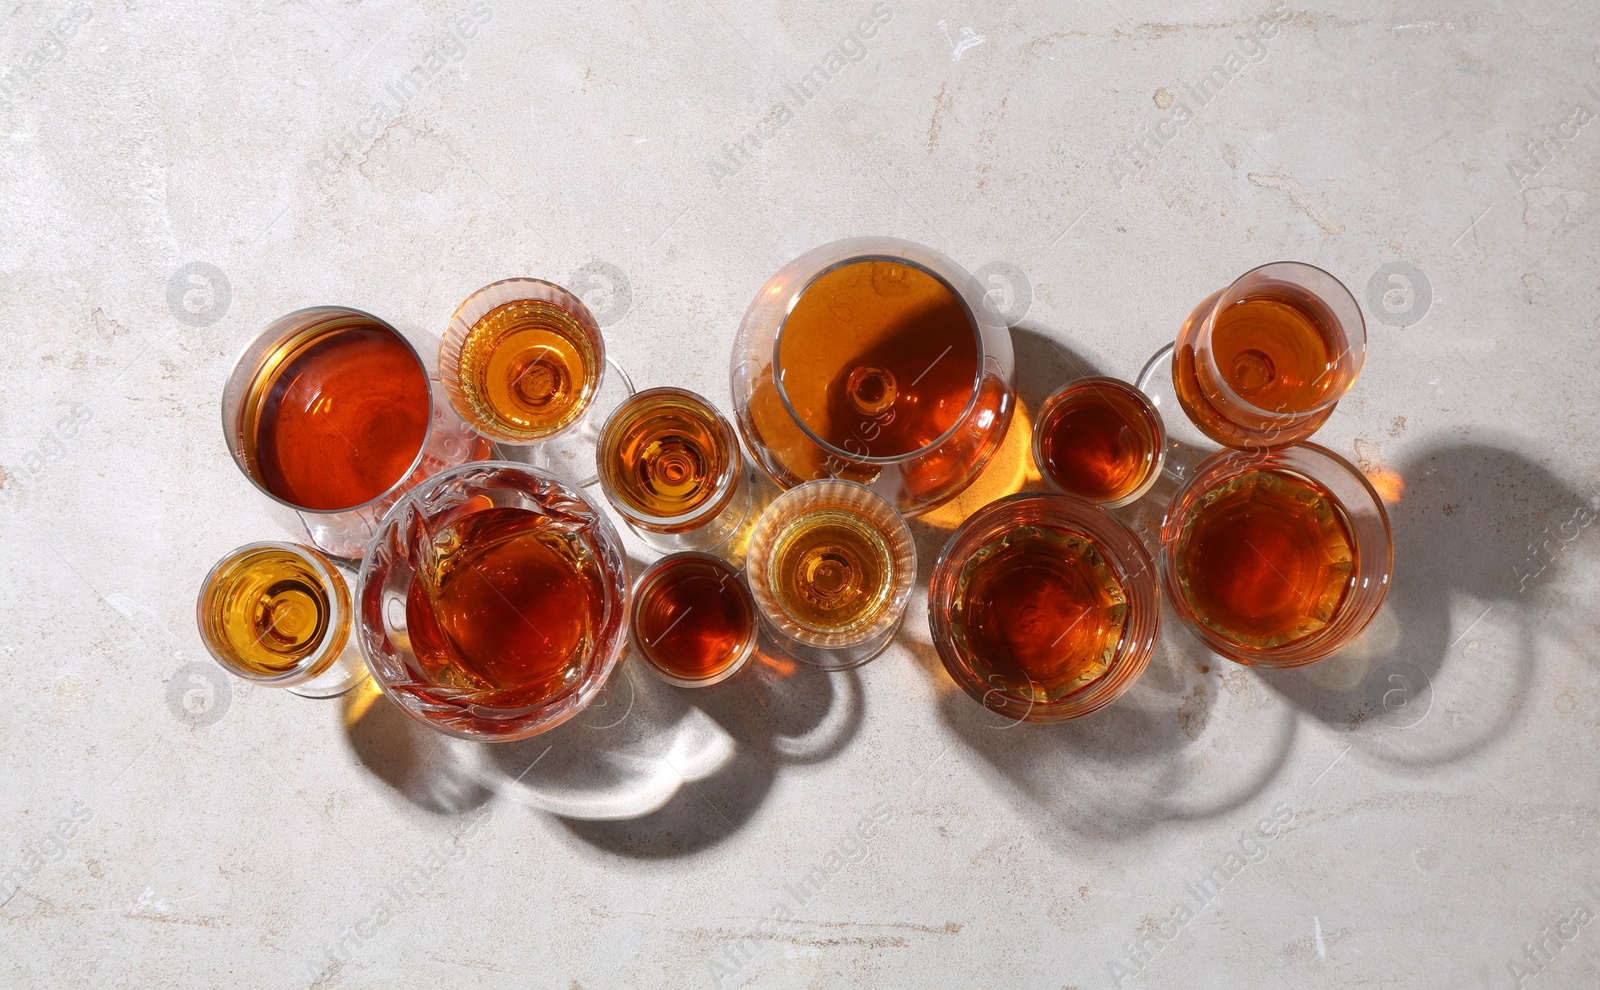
(831, 570)
(268, 611)
(527, 369)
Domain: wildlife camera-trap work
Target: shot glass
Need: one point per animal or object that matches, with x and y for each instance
(694, 620)
(1100, 439)
(831, 565)
(330, 412)
(670, 465)
(278, 615)
(1043, 607)
(1263, 362)
(1276, 558)
(523, 361)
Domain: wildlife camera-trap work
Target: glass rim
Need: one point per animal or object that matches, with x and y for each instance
(1152, 414)
(340, 606)
(1228, 463)
(651, 575)
(577, 308)
(725, 482)
(880, 255)
(1357, 362)
(1139, 637)
(230, 430)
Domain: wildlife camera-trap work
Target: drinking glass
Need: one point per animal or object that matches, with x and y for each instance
(873, 360)
(493, 602)
(694, 620)
(330, 412)
(1043, 607)
(1276, 558)
(278, 615)
(1263, 362)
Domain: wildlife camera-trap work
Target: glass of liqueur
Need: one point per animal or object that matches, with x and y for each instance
(873, 360)
(1101, 439)
(278, 615)
(1276, 558)
(831, 565)
(670, 465)
(1043, 607)
(524, 362)
(694, 620)
(493, 602)
(1263, 362)
(329, 411)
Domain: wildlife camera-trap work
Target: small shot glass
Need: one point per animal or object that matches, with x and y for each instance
(831, 564)
(694, 620)
(278, 615)
(1100, 439)
(669, 463)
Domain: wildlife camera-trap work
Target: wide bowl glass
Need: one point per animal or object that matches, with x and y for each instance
(1017, 517)
(1365, 520)
(396, 554)
(780, 398)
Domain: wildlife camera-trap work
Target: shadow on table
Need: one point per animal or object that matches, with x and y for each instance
(1481, 537)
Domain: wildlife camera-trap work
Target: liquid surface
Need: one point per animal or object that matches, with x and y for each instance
(694, 619)
(1266, 559)
(1279, 352)
(1040, 611)
(1097, 441)
(268, 612)
(527, 369)
(508, 608)
(831, 571)
(878, 358)
(336, 419)
(664, 456)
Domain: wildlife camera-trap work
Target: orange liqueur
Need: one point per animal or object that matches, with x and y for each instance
(1266, 558)
(693, 618)
(527, 369)
(506, 606)
(1041, 610)
(335, 417)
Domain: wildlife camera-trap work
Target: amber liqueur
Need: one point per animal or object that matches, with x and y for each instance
(878, 359)
(1278, 351)
(694, 618)
(667, 460)
(832, 571)
(1266, 558)
(335, 417)
(1041, 611)
(269, 610)
(1098, 442)
(528, 369)
(505, 608)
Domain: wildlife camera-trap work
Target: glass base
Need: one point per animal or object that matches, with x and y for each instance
(348, 671)
(570, 454)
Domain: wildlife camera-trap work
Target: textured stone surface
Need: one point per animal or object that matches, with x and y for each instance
(869, 829)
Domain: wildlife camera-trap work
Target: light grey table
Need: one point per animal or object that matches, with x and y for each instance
(176, 176)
